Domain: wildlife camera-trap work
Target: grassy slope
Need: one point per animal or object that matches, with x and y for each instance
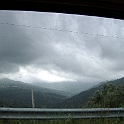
(66, 121)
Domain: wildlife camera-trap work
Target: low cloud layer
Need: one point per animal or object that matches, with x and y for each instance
(58, 47)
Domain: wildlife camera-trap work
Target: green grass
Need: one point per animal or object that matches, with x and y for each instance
(66, 121)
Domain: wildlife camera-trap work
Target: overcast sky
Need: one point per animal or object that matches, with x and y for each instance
(60, 47)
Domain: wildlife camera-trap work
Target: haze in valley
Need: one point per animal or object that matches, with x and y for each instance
(60, 51)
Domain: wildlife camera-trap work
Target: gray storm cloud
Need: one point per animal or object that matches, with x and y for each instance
(80, 46)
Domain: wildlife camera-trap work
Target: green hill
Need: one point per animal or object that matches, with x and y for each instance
(81, 99)
(18, 94)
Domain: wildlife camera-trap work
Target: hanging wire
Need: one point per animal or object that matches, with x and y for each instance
(61, 30)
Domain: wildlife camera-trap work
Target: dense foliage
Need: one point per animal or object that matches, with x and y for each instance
(109, 96)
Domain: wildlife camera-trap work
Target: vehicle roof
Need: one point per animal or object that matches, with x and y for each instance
(101, 8)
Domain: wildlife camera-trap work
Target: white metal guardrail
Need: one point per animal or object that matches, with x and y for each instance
(39, 113)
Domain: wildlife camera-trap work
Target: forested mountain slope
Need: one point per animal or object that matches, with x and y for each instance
(81, 99)
(18, 94)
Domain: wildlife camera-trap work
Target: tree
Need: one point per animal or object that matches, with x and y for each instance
(108, 97)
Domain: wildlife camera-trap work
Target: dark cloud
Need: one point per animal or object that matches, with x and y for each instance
(78, 47)
(17, 48)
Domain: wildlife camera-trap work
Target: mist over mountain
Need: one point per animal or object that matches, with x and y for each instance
(81, 99)
(61, 51)
(18, 94)
(40, 86)
(69, 87)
